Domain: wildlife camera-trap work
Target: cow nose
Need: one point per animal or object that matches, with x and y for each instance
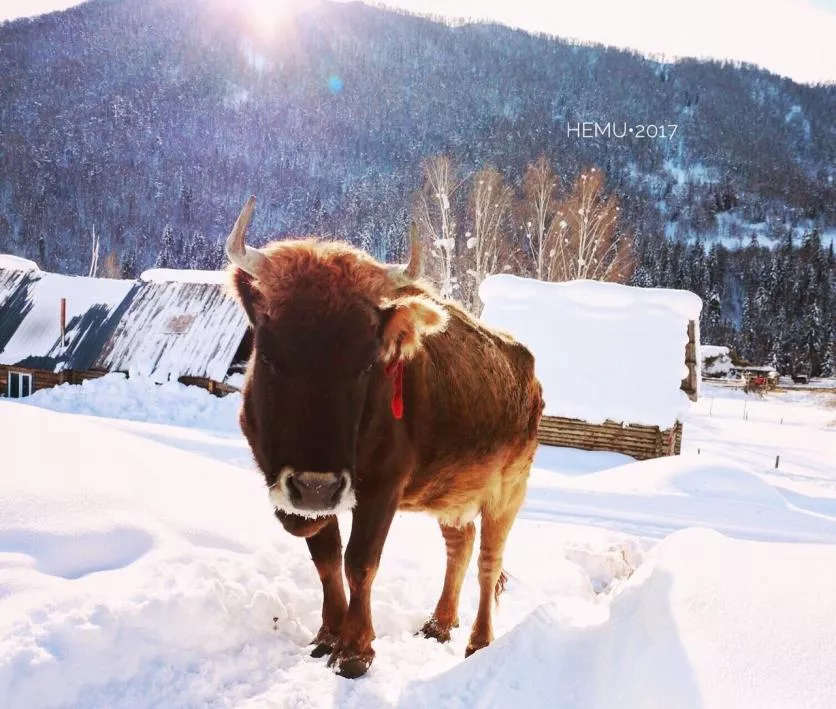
(316, 491)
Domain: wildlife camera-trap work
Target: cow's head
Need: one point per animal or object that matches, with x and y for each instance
(328, 322)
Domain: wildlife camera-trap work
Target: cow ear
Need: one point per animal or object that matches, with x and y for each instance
(246, 293)
(406, 321)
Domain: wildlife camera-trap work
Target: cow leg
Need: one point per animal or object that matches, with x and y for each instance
(327, 554)
(496, 523)
(459, 541)
(353, 653)
(322, 535)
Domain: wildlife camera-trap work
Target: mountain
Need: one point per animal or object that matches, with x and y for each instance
(145, 118)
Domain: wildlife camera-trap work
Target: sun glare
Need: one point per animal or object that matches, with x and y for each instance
(268, 16)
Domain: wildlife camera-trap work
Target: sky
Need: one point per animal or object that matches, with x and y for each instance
(795, 38)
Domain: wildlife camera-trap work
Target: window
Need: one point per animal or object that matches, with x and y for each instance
(19, 385)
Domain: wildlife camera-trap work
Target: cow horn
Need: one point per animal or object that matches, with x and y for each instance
(245, 257)
(414, 269)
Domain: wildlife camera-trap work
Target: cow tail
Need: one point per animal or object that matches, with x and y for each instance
(500, 585)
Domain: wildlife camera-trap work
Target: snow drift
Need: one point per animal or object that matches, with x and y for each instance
(705, 622)
(141, 566)
(140, 399)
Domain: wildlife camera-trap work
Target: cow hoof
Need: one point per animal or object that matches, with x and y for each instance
(324, 643)
(437, 630)
(351, 666)
(321, 650)
(471, 648)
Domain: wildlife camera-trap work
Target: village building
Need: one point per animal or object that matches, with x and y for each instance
(618, 364)
(167, 326)
(52, 326)
(180, 326)
(716, 361)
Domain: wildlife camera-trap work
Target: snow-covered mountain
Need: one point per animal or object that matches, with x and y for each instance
(150, 120)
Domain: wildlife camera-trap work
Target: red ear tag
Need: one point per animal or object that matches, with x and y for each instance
(395, 370)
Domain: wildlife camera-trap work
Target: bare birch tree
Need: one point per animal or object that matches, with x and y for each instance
(436, 219)
(590, 244)
(94, 256)
(487, 247)
(538, 210)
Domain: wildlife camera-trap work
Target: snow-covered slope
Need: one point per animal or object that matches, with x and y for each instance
(706, 621)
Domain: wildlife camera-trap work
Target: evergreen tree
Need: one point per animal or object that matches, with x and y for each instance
(168, 255)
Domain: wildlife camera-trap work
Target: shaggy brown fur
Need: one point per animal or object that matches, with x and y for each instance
(327, 320)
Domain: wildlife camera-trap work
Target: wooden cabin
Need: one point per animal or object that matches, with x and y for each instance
(180, 326)
(168, 326)
(618, 364)
(52, 326)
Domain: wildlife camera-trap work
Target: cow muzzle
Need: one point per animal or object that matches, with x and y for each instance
(312, 494)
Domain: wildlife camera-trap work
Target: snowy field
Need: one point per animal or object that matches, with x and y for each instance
(140, 566)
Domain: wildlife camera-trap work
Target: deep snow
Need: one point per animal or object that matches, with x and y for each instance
(179, 275)
(140, 566)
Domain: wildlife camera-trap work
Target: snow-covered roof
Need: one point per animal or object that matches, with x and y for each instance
(16, 263)
(34, 310)
(175, 329)
(13, 303)
(713, 351)
(10, 282)
(720, 361)
(174, 275)
(603, 351)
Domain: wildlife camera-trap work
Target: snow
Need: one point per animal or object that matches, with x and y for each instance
(236, 379)
(713, 351)
(16, 263)
(39, 333)
(602, 350)
(694, 173)
(174, 275)
(722, 363)
(141, 566)
(255, 60)
(704, 622)
(139, 399)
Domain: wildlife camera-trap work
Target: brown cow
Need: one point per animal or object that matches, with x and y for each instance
(366, 391)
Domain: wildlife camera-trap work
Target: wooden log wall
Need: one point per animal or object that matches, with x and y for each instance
(213, 387)
(689, 383)
(640, 442)
(42, 379)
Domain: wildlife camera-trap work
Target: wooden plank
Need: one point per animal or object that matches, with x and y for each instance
(639, 441)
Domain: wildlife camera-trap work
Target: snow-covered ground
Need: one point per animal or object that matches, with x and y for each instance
(140, 566)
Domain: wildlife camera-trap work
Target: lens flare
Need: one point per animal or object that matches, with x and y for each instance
(267, 17)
